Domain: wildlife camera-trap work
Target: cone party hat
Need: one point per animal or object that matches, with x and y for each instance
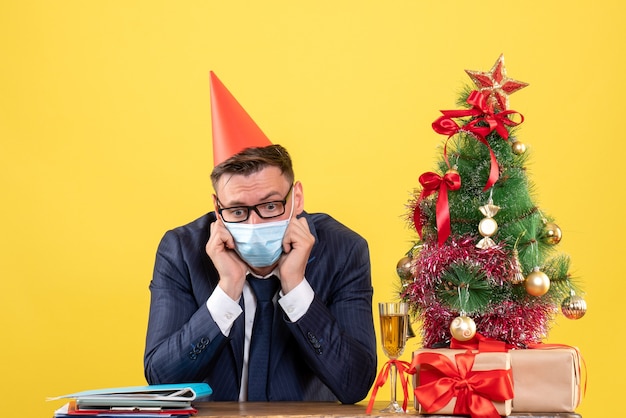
(233, 129)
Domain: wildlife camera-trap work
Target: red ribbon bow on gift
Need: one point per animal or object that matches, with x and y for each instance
(474, 390)
(485, 121)
(402, 367)
(432, 182)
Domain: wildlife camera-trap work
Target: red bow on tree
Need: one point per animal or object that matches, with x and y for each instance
(484, 121)
(432, 182)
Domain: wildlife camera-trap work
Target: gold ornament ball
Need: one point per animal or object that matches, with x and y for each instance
(463, 328)
(537, 283)
(518, 147)
(403, 268)
(487, 227)
(574, 307)
(552, 233)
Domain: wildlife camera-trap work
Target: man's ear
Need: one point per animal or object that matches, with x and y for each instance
(215, 205)
(298, 195)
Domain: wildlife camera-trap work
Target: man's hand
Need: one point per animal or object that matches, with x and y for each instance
(297, 245)
(231, 269)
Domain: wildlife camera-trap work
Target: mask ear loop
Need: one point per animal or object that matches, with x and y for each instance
(293, 203)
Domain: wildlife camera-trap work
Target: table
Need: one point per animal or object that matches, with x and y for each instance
(318, 409)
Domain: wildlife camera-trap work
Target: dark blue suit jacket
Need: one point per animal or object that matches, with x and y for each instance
(328, 354)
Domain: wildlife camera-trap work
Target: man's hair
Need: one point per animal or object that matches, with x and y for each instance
(252, 160)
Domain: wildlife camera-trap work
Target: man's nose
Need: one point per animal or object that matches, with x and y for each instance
(253, 217)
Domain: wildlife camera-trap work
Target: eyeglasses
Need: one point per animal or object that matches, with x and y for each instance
(266, 210)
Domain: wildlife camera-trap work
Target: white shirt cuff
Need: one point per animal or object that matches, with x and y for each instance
(297, 301)
(223, 310)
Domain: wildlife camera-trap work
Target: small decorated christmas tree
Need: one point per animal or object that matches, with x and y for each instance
(486, 260)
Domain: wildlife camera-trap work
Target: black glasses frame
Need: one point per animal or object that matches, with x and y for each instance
(255, 208)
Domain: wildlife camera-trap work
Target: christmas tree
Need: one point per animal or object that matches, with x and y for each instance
(486, 260)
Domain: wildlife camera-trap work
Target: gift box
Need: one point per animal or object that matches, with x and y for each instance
(462, 382)
(546, 379)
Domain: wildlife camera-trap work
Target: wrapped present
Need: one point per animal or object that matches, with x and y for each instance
(546, 379)
(462, 382)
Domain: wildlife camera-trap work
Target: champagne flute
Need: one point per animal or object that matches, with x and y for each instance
(394, 322)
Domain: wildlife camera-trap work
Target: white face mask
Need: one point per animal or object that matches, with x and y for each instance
(259, 245)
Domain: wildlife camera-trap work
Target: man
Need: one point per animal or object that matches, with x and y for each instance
(205, 315)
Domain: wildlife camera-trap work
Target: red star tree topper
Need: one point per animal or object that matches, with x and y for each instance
(495, 85)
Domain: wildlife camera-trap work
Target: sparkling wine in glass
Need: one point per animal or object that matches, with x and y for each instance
(394, 321)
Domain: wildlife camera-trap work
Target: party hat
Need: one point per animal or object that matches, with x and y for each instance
(233, 129)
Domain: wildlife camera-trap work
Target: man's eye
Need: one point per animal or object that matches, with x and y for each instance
(237, 212)
(271, 206)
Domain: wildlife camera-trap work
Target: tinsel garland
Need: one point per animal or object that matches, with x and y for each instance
(515, 319)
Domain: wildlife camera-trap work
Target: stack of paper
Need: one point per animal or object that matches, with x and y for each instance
(152, 401)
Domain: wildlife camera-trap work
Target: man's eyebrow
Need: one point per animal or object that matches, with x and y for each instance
(270, 197)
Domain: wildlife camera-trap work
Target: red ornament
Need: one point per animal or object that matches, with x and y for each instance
(495, 85)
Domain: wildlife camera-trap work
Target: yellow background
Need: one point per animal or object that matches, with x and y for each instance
(105, 142)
